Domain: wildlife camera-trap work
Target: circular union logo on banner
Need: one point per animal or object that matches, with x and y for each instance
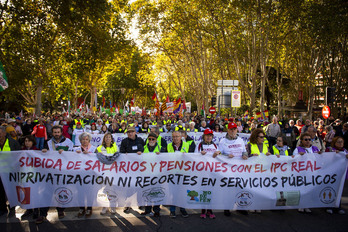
(327, 195)
(244, 199)
(63, 195)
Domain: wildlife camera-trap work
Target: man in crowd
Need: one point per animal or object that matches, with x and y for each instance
(57, 143)
(131, 144)
(178, 146)
(273, 131)
(316, 141)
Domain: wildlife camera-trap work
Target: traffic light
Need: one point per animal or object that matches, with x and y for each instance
(330, 95)
(213, 101)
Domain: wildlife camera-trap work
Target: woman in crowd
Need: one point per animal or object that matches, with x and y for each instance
(208, 147)
(104, 129)
(86, 148)
(305, 147)
(30, 144)
(281, 148)
(145, 128)
(108, 148)
(256, 146)
(337, 145)
(94, 129)
(99, 124)
(113, 128)
(329, 135)
(123, 128)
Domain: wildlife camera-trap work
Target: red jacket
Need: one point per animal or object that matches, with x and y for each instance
(39, 131)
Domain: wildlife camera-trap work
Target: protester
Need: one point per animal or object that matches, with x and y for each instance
(152, 146)
(304, 147)
(108, 148)
(273, 131)
(316, 141)
(6, 144)
(232, 146)
(288, 134)
(337, 145)
(57, 143)
(76, 133)
(208, 147)
(177, 146)
(131, 144)
(281, 148)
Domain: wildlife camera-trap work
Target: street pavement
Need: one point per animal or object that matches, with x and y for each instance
(283, 221)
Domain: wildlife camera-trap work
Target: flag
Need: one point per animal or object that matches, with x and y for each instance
(143, 112)
(132, 102)
(21, 114)
(258, 115)
(110, 104)
(154, 96)
(164, 107)
(3, 79)
(266, 113)
(203, 111)
(246, 114)
(103, 102)
(95, 99)
(167, 100)
(157, 106)
(177, 108)
(183, 105)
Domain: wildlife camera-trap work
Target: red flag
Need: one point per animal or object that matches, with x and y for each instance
(103, 102)
(154, 96)
(132, 102)
(167, 99)
(183, 104)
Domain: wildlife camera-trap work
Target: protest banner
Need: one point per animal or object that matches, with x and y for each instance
(196, 136)
(34, 179)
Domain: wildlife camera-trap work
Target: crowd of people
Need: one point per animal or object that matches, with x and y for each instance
(61, 133)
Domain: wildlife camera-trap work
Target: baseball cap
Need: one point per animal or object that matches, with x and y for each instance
(208, 132)
(232, 125)
(131, 128)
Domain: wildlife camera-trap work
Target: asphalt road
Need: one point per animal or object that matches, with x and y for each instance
(283, 221)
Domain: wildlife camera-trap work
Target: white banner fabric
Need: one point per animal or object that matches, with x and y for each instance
(196, 136)
(34, 179)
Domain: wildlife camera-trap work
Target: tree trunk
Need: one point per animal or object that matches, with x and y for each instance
(38, 99)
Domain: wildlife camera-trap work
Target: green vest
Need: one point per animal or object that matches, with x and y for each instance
(159, 141)
(255, 150)
(157, 149)
(109, 150)
(6, 146)
(276, 151)
(184, 147)
(180, 128)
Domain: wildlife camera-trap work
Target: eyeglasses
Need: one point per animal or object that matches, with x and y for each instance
(306, 139)
(151, 139)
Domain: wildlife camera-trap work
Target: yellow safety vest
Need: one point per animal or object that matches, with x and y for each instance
(6, 146)
(180, 128)
(157, 149)
(276, 151)
(109, 150)
(76, 121)
(255, 150)
(184, 147)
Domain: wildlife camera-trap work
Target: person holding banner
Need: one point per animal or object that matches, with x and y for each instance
(337, 145)
(131, 144)
(257, 144)
(281, 149)
(177, 146)
(232, 146)
(305, 147)
(152, 146)
(207, 146)
(6, 144)
(108, 148)
(57, 143)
